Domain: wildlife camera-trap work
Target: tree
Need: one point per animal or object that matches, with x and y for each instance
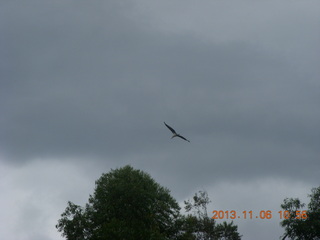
(299, 224)
(199, 226)
(227, 231)
(126, 204)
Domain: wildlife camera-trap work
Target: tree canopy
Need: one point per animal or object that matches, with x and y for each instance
(199, 226)
(302, 224)
(128, 204)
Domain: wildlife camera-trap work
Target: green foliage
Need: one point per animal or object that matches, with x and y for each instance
(126, 204)
(297, 227)
(199, 226)
(227, 231)
(73, 222)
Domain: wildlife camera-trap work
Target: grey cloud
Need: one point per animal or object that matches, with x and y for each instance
(95, 83)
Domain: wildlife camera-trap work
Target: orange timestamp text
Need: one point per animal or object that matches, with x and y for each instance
(263, 214)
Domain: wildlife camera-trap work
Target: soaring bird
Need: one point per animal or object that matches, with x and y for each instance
(174, 133)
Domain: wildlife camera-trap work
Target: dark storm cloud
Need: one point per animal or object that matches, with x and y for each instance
(99, 83)
(86, 87)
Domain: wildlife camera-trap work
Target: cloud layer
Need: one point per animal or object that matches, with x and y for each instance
(89, 86)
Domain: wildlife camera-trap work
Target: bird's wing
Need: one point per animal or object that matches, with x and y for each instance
(171, 129)
(183, 138)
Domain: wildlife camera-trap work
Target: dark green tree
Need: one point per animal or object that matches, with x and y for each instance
(199, 226)
(302, 225)
(126, 204)
(227, 231)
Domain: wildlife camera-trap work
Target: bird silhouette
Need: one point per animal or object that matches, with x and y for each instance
(174, 133)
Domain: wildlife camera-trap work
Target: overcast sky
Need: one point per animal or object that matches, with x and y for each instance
(85, 88)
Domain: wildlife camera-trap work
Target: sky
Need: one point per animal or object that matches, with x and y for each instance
(85, 88)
